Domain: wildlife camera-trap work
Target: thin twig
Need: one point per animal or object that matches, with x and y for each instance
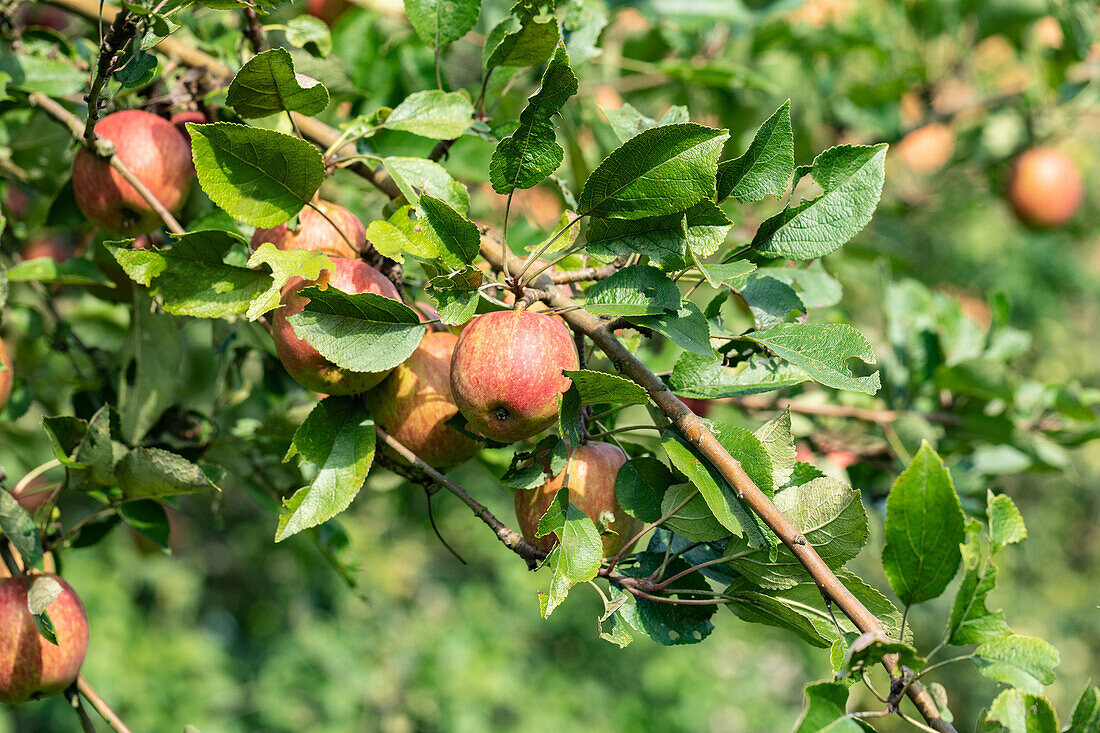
(100, 706)
(585, 274)
(252, 30)
(73, 697)
(113, 44)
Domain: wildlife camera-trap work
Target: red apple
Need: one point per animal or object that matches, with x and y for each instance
(7, 372)
(56, 248)
(308, 367)
(928, 148)
(1045, 187)
(180, 120)
(327, 10)
(506, 373)
(33, 494)
(316, 234)
(155, 152)
(591, 474)
(414, 403)
(30, 666)
(699, 407)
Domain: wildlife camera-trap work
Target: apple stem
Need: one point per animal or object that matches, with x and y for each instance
(100, 705)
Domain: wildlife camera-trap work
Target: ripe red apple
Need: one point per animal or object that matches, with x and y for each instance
(316, 234)
(700, 407)
(591, 473)
(155, 152)
(414, 403)
(56, 248)
(1045, 187)
(327, 10)
(305, 363)
(7, 372)
(506, 373)
(30, 666)
(928, 148)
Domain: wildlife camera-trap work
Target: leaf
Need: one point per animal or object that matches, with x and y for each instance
(305, 31)
(661, 171)
(831, 517)
(285, 264)
(815, 287)
(338, 439)
(626, 122)
(924, 526)
(734, 274)
(18, 526)
(576, 558)
(73, 271)
(686, 327)
(191, 278)
(458, 238)
(826, 710)
(433, 114)
(154, 472)
(693, 520)
(42, 591)
(260, 177)
(525, 38)
(149, 372)
(585, 22)
(602, 388)
(703, 377)
(766, 167)
(569, 416)
(414, 176)
(671, 624)
(54, 77)
(663, 239)
(822, 350)
(364, 332)
(65, 434)
(852, 177)
(707, 227)
(442, 21)
(1018, 712)
(532, 153)
(1006, 526)
(775, 435)
(970, 621)
(149, 519)
(1086, 713)
(402, 234)
(267, 85)
(771, 302)
(638, 290)
(1025, 662)
(870, 648)
(639, 486)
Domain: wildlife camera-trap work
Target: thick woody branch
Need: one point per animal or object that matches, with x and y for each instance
(866, 414)
(584, 274)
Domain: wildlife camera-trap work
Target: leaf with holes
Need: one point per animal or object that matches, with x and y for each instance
(822, 350)
(267, 85)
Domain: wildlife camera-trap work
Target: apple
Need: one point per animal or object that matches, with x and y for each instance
(33, 495)
(30, 666)
(414, 402)
(316, 234)
(56, 248)
(927, 149)
(308, 367)
(7, 372)
(1045, 187)
(327, 10)
(506, 373)
(700, 407)
(155, 152)
(591, 473)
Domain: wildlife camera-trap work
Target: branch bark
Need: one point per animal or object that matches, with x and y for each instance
(867, 414)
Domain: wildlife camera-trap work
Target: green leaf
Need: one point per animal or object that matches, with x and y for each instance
(338, 439)
(576, 558)
(1018, 712)
(285, 264)
(693, 520)
(829, 514)
(65, 434)
(1006, 526)
(815, 287)
(771, 302)
(670, 624)
(141, 69)
(260, 177)
(707, 227)
(733, 274)
(852, 177)
(402, 234)
(54, 77)
(458, 238)
(766, 167)
(1086, 713)
(524, 38)
(45, 627)
(869, 649)
(970, 621)
(776, 437)
(364, 332)
(924, 526)
(154, 472)
(532, 153)
(822, 350)
(627, 122)
(569, 416)
(1025, 662)
(661, 171)
(149, 372)
(148, 518)
(433, 114)
(73, 271)
(686, 327)
(192, 279)
(638, 290)
(585, 22)
(419, 175)
(640, 485)
(663, 239)
(826, 710)
(267, 85)
(18, 526)
(704, 377)
(442, 21)
(309, 33)
(598, 388)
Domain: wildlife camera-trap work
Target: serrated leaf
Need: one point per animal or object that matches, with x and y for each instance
(267, 85)
(970, 621)
(822, 350)
(826, 710)
(663, 239)
(585, 22)
(638, 290)
(362, 332)
(433, 114)
(18, 527)
(871, 647)
(924, 526)
(309, 33)
(1006, 525)
(627, 122)
(815, 287)
(686, 327)
(1025, 662)
(1086, 713)
(258, 176)
(402, 234)
(457, 237)
(672, 624)
(597, 388)
(704, 377)
(766, 167)
(532, 153)
(707, 227)
(776, 437)
(414, 176)
(852, 177)
(661, 171)
(154, 472)
(771, 302)
(831, 517)
(45, 627)
(149, 372)
(442, 21)
(576, 558)
(522, 39)
(640, 485)
(338, 439)
(689, 516)
(52, 76)
(732, 274)
(284, 264)
(65, 434)
(1014, 711)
